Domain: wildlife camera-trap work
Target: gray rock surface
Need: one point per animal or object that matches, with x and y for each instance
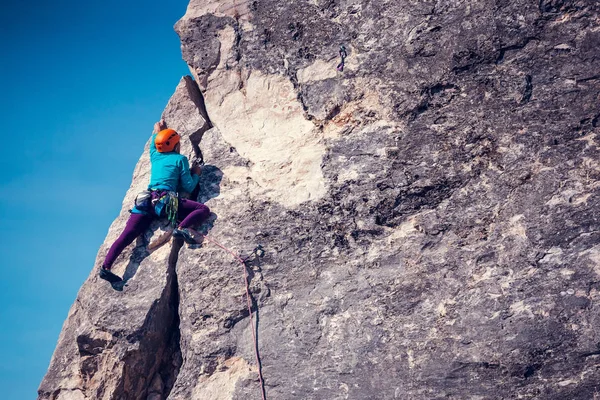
(429, 215)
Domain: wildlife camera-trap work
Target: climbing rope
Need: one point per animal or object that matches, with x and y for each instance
(249, 304)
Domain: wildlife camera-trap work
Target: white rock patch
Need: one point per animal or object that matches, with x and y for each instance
(262, 118)
(221, 384)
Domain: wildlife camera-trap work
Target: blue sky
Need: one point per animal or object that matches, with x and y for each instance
(82, 84)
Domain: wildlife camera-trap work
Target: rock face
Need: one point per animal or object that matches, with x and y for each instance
(430, 215)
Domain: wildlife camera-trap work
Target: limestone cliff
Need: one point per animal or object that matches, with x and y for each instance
(430, 214)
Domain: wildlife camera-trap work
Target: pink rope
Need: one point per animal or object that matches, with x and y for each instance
(249, 303)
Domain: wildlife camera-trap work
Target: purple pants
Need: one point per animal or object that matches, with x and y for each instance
(190, 213)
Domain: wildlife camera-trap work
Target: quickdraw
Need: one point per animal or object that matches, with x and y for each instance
(172, 208)
(260, 252)
(166, 204)
(343, 55)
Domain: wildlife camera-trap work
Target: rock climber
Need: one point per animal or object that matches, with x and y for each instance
(170, 173)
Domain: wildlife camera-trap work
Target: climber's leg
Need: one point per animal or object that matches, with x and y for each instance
(136, 225)
(193, 214)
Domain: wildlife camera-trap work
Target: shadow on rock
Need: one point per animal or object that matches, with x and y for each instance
(209, 186)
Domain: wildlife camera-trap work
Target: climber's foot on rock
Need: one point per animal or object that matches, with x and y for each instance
(109, 276)
(185, 234)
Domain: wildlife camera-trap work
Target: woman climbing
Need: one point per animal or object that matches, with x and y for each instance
(170, 173)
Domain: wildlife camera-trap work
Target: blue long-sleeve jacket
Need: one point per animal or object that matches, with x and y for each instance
(170, 171)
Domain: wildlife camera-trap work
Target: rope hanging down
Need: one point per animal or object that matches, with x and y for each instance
(259, 251)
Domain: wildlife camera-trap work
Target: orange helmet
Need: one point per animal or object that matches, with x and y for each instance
(166, 140)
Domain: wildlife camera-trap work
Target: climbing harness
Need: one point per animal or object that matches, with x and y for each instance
(161, 203)
(343, 55)
(166, 204)
(259, 251)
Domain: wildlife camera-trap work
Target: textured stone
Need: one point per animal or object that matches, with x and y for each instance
(429, 215)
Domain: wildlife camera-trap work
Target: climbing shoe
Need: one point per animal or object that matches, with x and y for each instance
(185, 234)
(109, 276)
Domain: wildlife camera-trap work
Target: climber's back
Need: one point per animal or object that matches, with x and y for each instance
(170, 170)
